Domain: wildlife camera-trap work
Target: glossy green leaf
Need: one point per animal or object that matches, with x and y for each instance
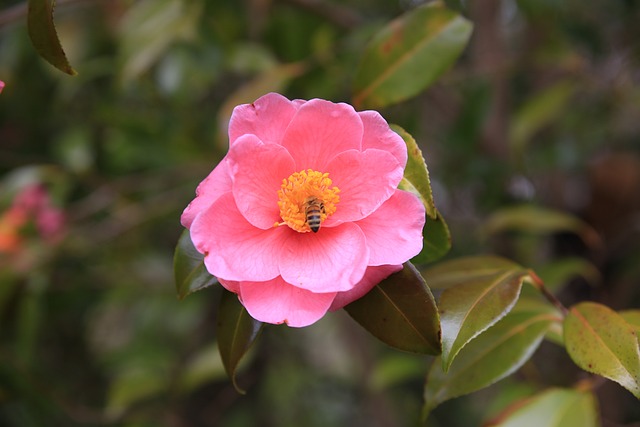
(236, 331)
(553, 408)
(416, 175)
(530, 300)
(408, 55)
(437, 238)
(188, 267)
(528, 304)
(539, 220)
(453, 272)
(43, 34)
(436, 241)
(493, 355)
(600, 341)
(401, 312)
(475, 302)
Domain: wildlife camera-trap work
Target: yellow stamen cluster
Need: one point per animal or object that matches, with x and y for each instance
(296, 191)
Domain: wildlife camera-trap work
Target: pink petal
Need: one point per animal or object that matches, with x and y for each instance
(372, 277)
(394, 231)
(319, 131)
(50, 222)
(230, 285)
(331, 260)
(377, 134)
(267, 118)
(209, 190)
(365, 179)
(276, 301)
(233, 248)
(258, 171)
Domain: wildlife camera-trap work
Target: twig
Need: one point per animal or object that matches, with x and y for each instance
(539, 284)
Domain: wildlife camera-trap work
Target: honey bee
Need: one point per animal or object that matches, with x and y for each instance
(313, 208)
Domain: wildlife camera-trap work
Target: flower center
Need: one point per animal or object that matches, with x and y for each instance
(306, 199)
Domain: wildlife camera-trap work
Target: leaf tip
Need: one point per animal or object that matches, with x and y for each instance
(239, 389)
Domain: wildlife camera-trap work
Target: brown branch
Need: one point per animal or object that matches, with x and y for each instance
(539, 285)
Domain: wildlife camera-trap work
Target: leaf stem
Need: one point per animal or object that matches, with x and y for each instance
(537, 282)
(590, 384)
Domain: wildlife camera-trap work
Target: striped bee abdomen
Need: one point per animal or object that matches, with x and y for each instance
(313, 210)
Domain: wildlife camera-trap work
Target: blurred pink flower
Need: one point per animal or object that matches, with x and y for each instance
(1, 86)
(304, 215)
(35, 202)
(31, 212)
(11, 222)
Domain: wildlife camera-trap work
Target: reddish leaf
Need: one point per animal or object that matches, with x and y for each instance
(409, 55)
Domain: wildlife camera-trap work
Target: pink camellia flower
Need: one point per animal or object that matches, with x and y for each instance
(33, 205)
(303, 215)
(34, 201)
(32, 222)
(1, 86)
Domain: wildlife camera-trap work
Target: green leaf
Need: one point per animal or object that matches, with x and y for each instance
(43, 35)
(188, 266)
(495, 354)
(553, 408)
(539, 220)
(453, 272)
(408, 55)
(632, 317)
(237, 331)
(401, 312)
(600, 341)
(437, 239)
(531, 300)
(475, 302)
(539, 111)
(416, 175)
(559, 272)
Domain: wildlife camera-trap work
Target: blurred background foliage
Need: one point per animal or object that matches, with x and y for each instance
(532, 141)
